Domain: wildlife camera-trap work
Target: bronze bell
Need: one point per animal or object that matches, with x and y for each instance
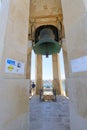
(46, 45)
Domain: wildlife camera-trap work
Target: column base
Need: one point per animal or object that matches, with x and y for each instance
(57, 86)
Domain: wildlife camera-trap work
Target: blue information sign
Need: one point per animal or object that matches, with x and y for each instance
(11, 62)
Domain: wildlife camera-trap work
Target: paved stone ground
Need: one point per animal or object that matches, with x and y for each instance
(49, 115)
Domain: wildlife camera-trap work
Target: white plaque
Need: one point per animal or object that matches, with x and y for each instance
(79, 64)
(14, 66)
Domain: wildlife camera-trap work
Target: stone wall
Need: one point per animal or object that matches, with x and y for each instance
(14, 87)
(75, 21)
(14, 104)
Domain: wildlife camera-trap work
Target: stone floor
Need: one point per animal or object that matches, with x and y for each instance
(49, 115)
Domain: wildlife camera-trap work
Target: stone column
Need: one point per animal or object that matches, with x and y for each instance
(38, 73)
(28, 67)
(66, 67)
(14, 87)
(56, 74)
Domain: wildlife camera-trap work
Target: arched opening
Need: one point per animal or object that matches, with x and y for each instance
(53, 28)
(47, 40)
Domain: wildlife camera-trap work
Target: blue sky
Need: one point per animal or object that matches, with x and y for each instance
(47, 67)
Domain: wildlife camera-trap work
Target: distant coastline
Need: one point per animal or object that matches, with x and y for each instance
(49, 83)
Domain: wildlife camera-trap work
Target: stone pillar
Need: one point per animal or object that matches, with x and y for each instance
(14, 87)
(75, 22)
(66, 71)
(28, 68)
(66, 67)
(56, 74)
(38, 73)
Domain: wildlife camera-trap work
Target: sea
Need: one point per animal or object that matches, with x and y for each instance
(48, 83)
